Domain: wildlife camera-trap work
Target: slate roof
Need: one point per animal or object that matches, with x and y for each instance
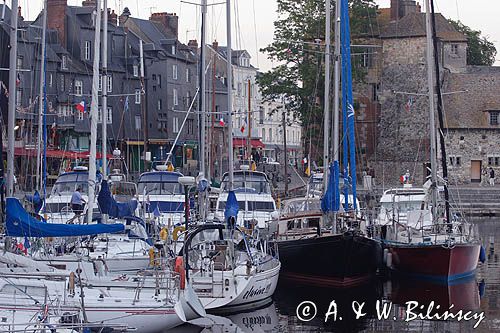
(475, 93)
(413, 25)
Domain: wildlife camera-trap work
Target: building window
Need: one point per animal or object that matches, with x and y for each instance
(99, 115)
(138, 123)
(175, 124)
(190, 126)
(494, 117)
(238, 93)
(79, 115)
(50, 80)
(187, 75)
(62, 82)
(176, 98)
(136, 70)
(138, 96)
(270, 134)
(99, 86)
(173, 49)
(109, 116)
(494, 160)
(454, 49)
(188, 99)
(110, 83)
(261, 115)
(64, 62)
(174, 72)
(264, 134)
(159, 105)
(158, 80)
(19, 97)
(88, 50)
(78, 88)
(19, 62)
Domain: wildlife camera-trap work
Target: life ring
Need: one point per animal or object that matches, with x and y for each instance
(164, 233)
(175, 233)
(179, 268)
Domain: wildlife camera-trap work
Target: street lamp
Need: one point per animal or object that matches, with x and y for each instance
(187, 182)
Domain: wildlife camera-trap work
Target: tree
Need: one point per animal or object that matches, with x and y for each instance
(298, 46)
(480, 51)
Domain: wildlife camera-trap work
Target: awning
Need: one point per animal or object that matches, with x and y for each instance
(256, 143)
(135, 143)
(56, 153)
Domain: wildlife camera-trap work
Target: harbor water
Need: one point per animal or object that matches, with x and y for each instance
(410, 305)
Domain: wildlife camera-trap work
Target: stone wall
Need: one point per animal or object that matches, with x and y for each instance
(404, 51)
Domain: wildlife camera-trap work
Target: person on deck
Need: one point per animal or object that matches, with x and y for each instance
(170, 167)
(77, 202)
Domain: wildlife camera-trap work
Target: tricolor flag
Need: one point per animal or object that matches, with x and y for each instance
(409, 104)
(242, 129)
(221, 122)
(81, 106)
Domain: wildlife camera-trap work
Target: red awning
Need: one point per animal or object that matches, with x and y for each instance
(56, 153)
(256, 143)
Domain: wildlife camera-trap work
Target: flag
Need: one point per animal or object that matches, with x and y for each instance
(81, 106)
(409, 104)
(18, 80)
(221, 122)
(242, 129)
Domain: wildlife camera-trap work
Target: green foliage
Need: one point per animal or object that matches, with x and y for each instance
(480, 51)
(299, 48)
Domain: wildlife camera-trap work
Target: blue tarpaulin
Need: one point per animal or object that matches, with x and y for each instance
(330, 202)
(108, 204)
(231, 206)
(21, 224)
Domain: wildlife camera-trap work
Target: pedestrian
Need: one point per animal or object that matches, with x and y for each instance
(77, 202)
(492, 177)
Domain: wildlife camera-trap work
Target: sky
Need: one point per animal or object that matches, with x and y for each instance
(253, 19)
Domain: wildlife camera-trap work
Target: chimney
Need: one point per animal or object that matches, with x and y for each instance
(112, 18)
(124, 16)
(170, 22)
(89, 3)
(193, 45)
(21, 18)
(56, 18)
(394, 10)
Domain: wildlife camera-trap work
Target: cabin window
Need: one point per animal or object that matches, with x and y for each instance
(494, 117)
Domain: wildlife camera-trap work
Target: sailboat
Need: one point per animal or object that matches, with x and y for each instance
(418, 241)
(341, 256)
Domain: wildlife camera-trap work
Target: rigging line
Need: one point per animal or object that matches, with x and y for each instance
(255, 34)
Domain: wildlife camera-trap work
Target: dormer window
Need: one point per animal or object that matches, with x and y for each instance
(494, 117)
(64, 62)
(244, 62)
(173, 49)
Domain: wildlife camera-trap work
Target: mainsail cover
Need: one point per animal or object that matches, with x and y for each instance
(330, 202)
(36, 201)
(21, 224)
(108, 204)
(231, 206)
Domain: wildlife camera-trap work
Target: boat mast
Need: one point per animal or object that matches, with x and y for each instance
(432, 120)
(93, 113)
(444, 160)
(326, 112)
(202, 118)
(12, 98)
(41, 101)
(104, 123)
(229, 94)
(335, 127)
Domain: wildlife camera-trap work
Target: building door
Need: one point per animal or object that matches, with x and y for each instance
(475, 171)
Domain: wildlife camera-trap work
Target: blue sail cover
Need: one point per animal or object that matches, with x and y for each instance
(21, 224)
(231, 206)
(108, 204)
(330, 202)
